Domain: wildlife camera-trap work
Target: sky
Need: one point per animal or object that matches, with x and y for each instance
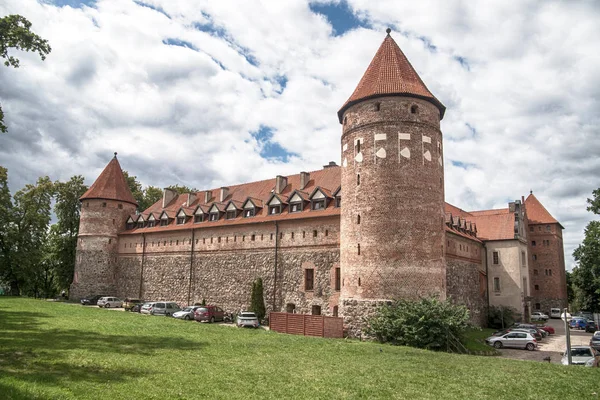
(209, 94)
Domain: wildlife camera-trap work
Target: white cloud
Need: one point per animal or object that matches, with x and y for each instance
(522, 108)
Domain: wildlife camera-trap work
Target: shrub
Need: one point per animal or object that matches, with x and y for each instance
(257, 301)
(501, 317)
(425, 323)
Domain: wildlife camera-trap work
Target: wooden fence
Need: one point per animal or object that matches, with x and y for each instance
(307, 325)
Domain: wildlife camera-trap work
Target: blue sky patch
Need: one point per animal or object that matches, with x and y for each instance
(463, 165)
(73, 3)
(269, 148)
(179, 42)
(471, 129)
(463, 62)
(339, 15)
(150, 6)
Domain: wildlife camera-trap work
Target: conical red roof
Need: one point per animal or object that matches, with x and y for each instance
(390, 74)
(110, 185)
(537, 213)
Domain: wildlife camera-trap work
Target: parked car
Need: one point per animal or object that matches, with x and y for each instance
(539, 316)
(187, 313)
(548, 329)
(591, 326)
(555, 313)
(107, 302)
(581, 355)
(137, 308)
(166, 308)
(128, 304)
(91, 300)
(533, 332)
(209, 313)
(521, 340)
(577, 323)
(246, 318)
(531, 326)
(595, 340)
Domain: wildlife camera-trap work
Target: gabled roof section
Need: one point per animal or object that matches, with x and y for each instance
(216, 208)
(167, 215)
(297, 194)
(390, 74)
(110, 185)
(275, 200)
(338, 191)
(200, 210)
(537, 213)
(495, 224)
(252, 203)
(320, 193)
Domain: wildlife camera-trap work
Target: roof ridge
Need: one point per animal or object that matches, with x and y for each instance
(110, 185)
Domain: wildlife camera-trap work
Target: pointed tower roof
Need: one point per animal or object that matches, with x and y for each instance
(110, 185)
(537, 213)
(390, 74)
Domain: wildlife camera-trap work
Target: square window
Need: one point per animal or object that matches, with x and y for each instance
(337, 279)
(214, 216)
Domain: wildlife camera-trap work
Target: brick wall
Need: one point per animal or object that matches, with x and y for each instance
(547, 267)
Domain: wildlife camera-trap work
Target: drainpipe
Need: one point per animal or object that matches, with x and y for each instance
(275, 270)
(142, 268)
(191, 268)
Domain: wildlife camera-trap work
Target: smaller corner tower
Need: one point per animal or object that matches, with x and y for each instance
(104, 211)
(392, 218)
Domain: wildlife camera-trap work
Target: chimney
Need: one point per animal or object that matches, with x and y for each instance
(331, 164)
(512, 207)
(207, 196)
(304, 178)
(168, 195)
(224, 193)
(191, 197)
(280, 184)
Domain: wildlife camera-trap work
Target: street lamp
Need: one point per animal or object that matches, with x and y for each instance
(566, 317)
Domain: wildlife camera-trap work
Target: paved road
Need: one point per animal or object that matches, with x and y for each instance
(551, 346)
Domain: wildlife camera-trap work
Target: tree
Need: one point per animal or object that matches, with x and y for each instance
(15, 34)
(257, 299)
(182, 189)
(570, 290)
(144, 197)
(6, 237)
(65, 231)
(586, 275)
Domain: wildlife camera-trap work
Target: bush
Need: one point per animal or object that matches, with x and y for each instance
(425, 323)
(501, 317)
(257, 301)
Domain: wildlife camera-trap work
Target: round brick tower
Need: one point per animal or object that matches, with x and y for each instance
(105, 208)
(392, 217)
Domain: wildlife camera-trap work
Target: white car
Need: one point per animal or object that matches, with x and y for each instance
(581, 355)
(539, 316)
(521, 340)
(107, 302)
(246, 318)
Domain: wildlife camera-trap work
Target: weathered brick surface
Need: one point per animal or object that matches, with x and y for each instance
(400, 201)
(95, 266)
(547, 267)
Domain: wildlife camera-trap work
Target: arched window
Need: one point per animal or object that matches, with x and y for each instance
(358, 147)
(414, 109)
(357, 179)
(358, 249)
(377, 106)
(358, 219)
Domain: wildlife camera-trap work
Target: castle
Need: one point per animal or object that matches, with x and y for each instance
(338, 241)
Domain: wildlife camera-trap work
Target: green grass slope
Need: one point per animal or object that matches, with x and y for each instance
(66, 351)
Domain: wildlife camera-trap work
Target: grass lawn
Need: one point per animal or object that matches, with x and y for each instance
(475, 341)
(66, 351)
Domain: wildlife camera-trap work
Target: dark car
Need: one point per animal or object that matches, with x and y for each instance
(595, 340)
(538, 328)
(137, 308)
(591, 326)
(577, 323)
(129, 303)
(209, 313)
(91, 300)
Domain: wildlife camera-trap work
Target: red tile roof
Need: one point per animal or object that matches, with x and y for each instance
(494, 224)
(390, 73)
(537, 213)
(110, 185)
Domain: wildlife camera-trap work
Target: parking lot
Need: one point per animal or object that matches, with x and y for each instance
(551, 346)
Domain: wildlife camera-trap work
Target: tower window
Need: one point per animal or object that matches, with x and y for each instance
(358, 219)
(377, 106)
(253, 238)
(337, 279)
(335, 311)
(533, 243)
(358, 249)
(120, 206)
(358, 281)
(314, 233)
(537, 287)
(309, 279)
(358, 146)
(414, 109)
(103, 204)
(357, 179)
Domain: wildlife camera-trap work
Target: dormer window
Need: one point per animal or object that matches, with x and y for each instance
(274, 210)
(180, 220)
(249, 212)
(231, 214)
(295, 207)
(130, 225)
(198, 218)
(318, 204)
(151, 224)
(214, 216)
(140, 224)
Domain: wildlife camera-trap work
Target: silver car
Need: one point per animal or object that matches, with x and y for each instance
(520, 340)
(107, 302)
(246, 318)
(187, 313)
(166, 308)
(581, 355)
